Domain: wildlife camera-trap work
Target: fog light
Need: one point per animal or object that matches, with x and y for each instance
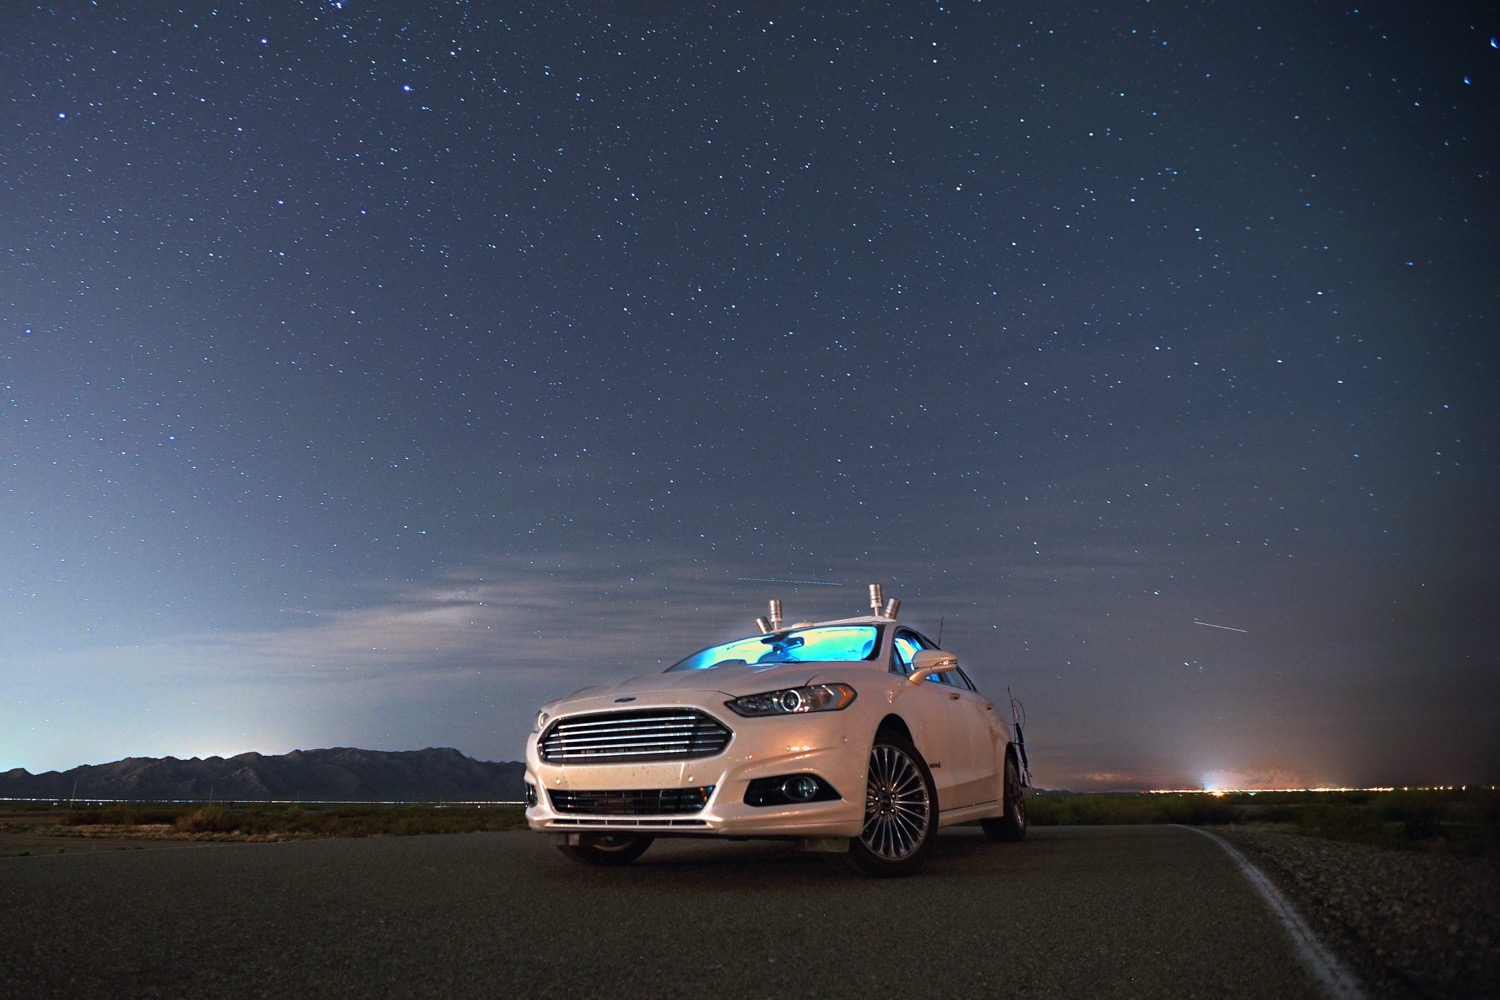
(802, 788)
(530, 795)
(789, 790)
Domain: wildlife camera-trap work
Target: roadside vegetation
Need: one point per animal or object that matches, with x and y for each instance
(1449, 820)
(1462, 821)
(253, 820)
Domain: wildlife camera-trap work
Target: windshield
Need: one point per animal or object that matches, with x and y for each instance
(821, 644)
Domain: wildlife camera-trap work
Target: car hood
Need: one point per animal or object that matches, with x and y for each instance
(732, 682)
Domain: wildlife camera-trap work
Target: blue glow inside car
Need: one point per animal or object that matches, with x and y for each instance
(815, 644)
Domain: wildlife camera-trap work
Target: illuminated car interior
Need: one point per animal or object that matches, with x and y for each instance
(819, 644)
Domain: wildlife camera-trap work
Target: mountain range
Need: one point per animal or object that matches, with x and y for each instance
(338, 774)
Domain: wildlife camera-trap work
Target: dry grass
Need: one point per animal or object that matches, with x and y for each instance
(1458, 820)
(252, 821)
(1454, 821)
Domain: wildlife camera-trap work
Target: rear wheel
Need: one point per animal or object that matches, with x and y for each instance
(900, 812)
(1012, 825)
(606, 848)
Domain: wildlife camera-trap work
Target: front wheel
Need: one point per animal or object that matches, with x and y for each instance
(608, 849)
(1012, 825)
(900, 812)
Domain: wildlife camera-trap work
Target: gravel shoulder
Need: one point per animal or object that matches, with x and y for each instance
(1409, 924)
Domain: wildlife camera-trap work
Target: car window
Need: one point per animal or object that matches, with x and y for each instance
(903, 649)
(906, 645)
(822, 644)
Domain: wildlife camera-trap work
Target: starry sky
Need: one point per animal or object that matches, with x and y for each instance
(371, 372)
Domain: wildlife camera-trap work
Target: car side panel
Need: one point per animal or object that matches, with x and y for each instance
(977, 780)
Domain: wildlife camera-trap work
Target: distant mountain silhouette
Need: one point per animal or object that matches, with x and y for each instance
(340, 774)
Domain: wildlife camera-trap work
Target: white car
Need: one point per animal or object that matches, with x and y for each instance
(857, 738)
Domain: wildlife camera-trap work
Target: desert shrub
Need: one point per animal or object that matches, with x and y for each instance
(1093, 810)
(1461, 820)
(1457, 820)
(208, 819)
(1420, 814)
(1476, 825)
(400, 821)
(89, 816)
(284, 819)
(1118, 808)
(123, 814)
(258, 823)
(1196, 810)
(1333, 821)
(1280, 812)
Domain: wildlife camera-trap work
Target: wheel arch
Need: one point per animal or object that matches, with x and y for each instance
(893, 723)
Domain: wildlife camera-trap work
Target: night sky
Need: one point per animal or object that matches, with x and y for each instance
(373, 372)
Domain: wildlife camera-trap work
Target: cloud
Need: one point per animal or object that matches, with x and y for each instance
(462, 658)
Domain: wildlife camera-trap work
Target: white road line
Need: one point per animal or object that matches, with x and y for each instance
(1339, 983)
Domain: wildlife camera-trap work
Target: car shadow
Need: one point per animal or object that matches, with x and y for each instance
(772, 864)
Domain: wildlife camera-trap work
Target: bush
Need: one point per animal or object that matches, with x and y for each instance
(122, 814)
(1419, 814)
(1110, 809)
(208, 819)
(1339, 822)
(264, 820)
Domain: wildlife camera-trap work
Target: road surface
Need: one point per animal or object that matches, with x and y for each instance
(1098, 912)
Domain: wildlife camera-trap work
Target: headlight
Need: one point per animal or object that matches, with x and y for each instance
(795, 701)
(541, 721)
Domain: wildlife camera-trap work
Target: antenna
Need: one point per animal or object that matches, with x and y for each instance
(940, 630)
(1018, 719)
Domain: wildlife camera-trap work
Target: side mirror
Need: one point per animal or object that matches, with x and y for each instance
(931, 661)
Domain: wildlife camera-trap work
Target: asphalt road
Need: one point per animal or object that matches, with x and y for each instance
(1086, 912)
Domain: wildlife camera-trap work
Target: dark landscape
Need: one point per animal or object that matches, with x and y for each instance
(1440, 820)
(338, 774)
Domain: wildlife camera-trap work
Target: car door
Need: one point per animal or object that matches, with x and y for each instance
(955, 736)
(981, 779)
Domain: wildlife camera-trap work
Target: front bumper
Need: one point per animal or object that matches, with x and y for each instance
(817, 744)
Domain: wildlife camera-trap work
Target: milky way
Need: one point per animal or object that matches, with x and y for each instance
(372, 372)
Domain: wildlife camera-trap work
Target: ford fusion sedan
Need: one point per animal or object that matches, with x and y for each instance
(857, 738)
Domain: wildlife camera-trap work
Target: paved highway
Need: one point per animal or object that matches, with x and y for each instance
(1095, 912)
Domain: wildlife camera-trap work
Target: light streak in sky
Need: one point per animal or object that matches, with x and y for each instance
(773, 579)
(1227, 628)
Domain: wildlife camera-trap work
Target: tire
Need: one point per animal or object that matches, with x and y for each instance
(900, 812)
(1012, 825)
(606, 849)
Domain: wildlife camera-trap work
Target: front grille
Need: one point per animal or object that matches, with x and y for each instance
(641, 802)
(631, 737)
